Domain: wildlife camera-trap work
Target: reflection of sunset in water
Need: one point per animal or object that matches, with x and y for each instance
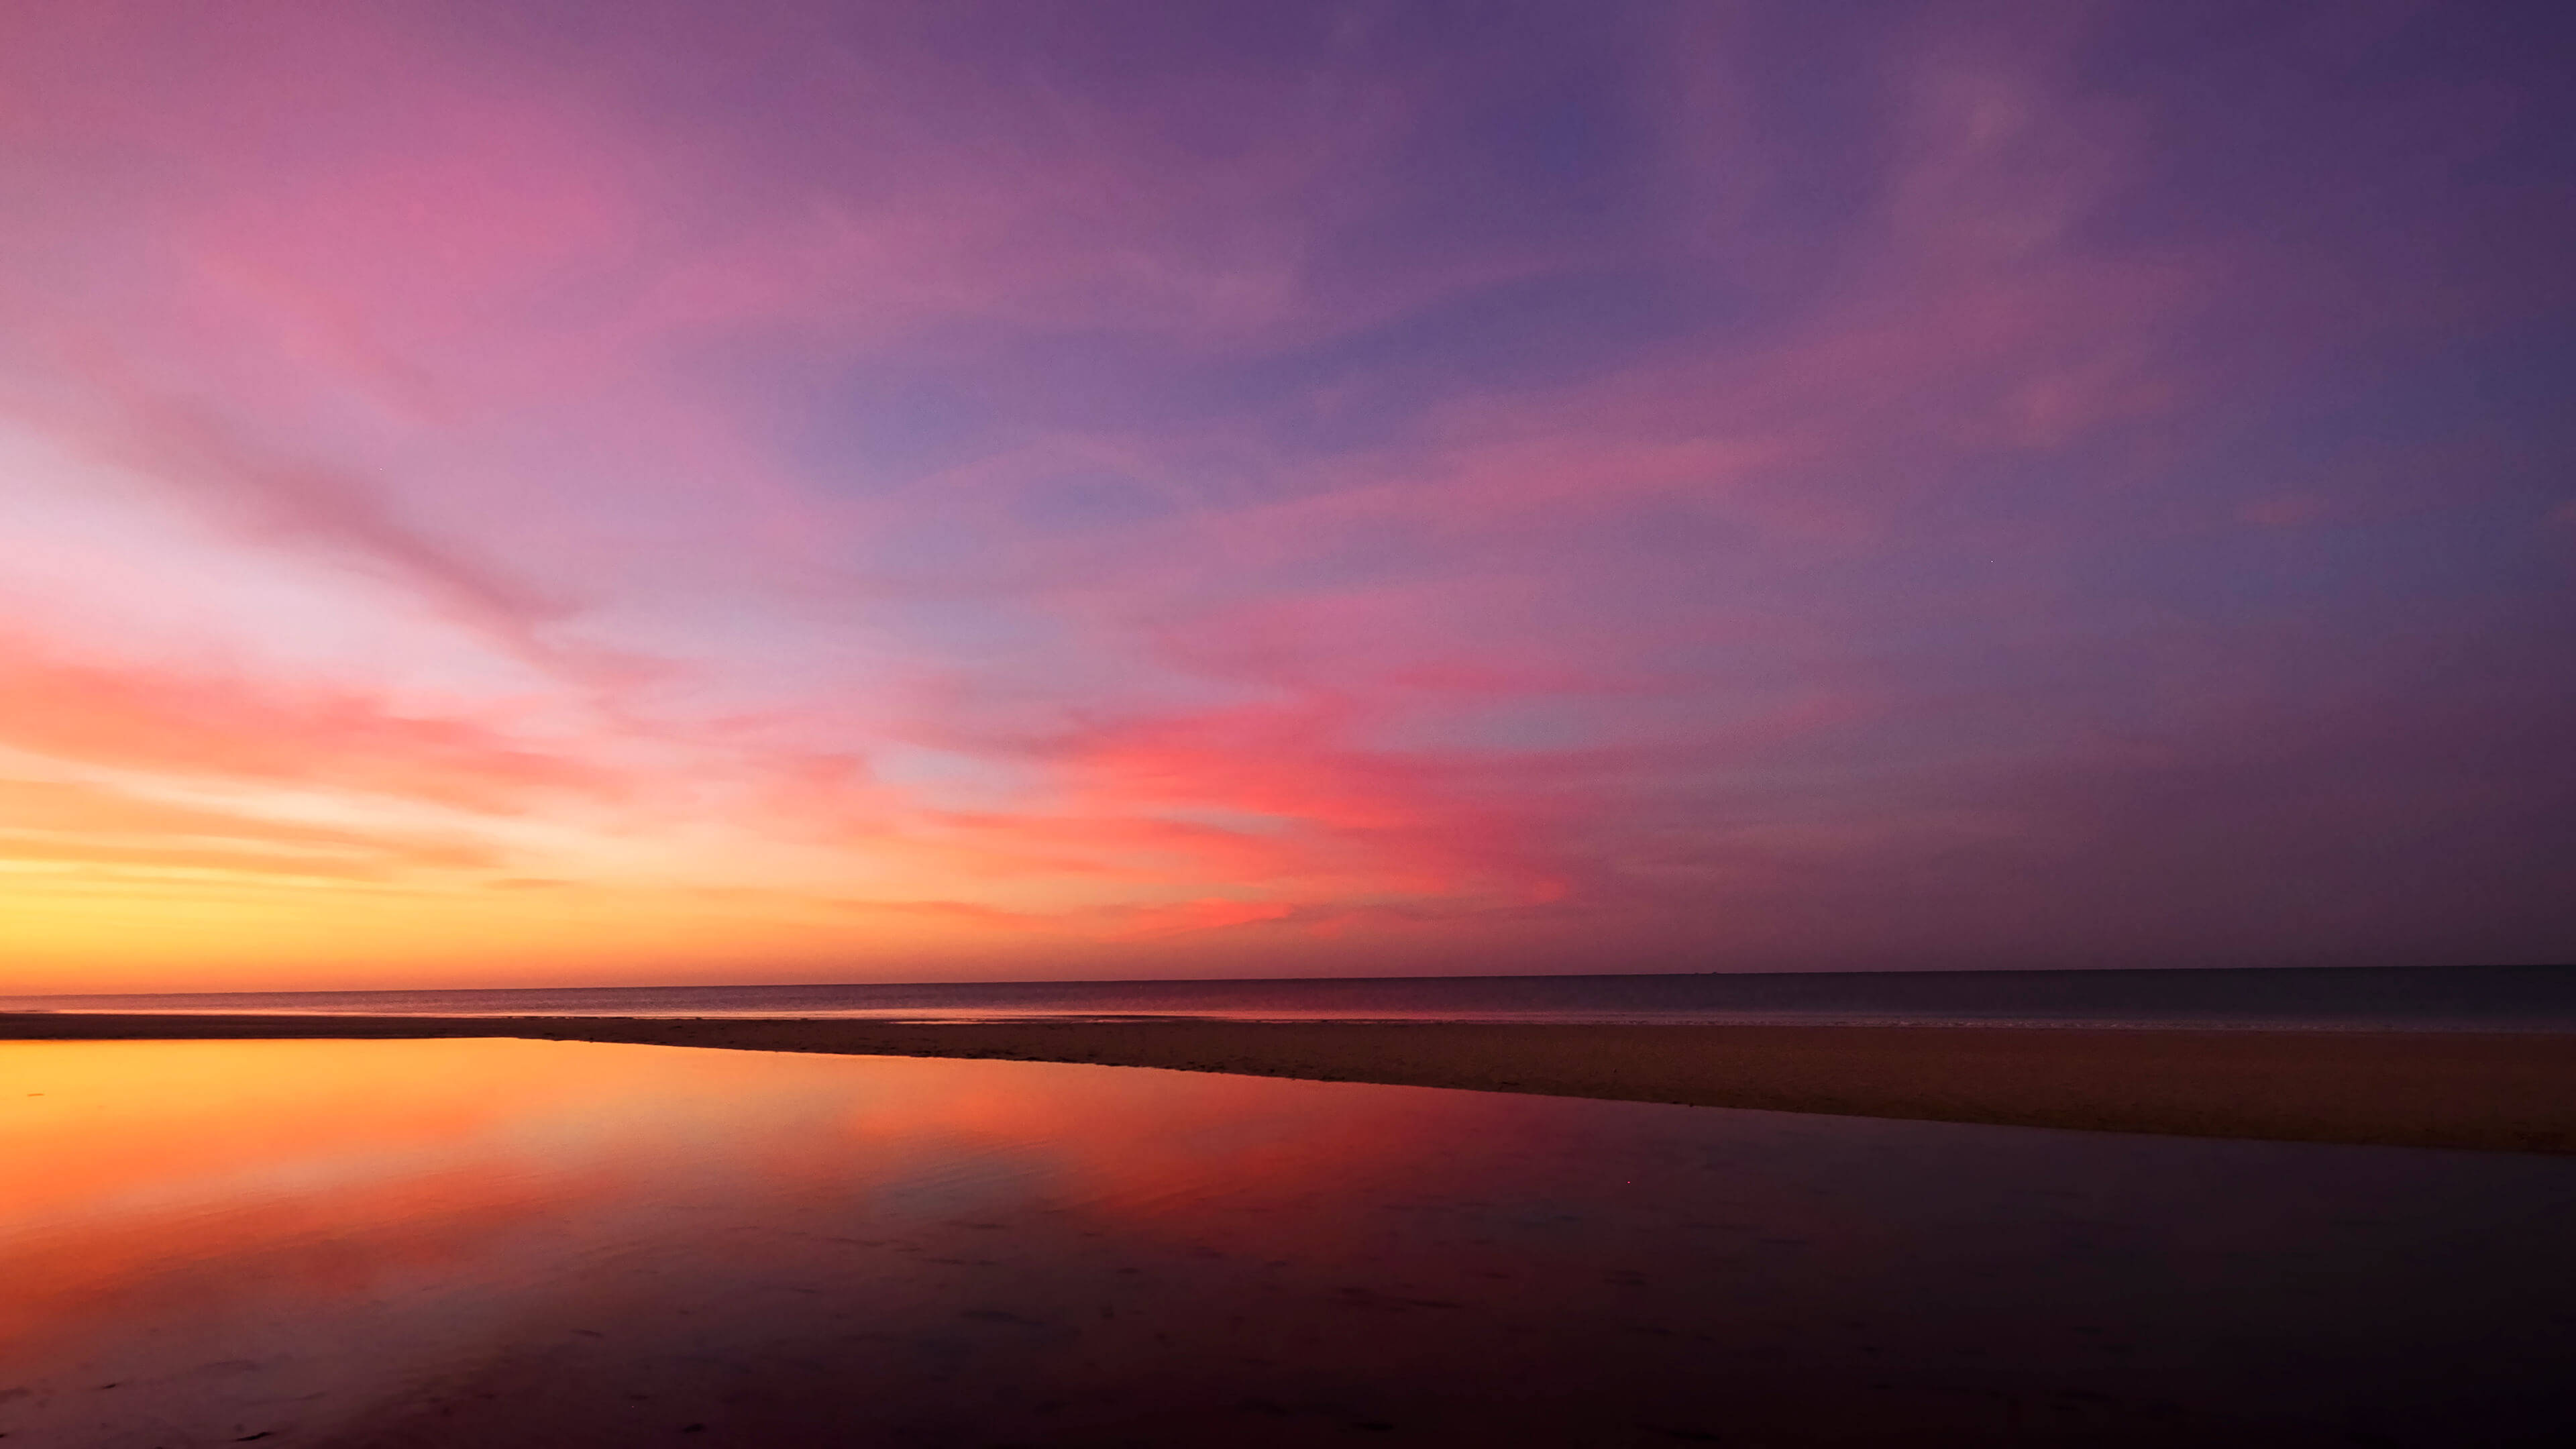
(277, 1194)
(516, 1242)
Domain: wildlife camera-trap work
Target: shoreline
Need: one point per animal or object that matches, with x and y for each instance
(2489, 1091)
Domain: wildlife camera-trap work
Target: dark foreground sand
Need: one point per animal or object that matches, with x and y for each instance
(2495, 1091)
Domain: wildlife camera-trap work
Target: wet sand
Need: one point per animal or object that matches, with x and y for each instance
(2490, 1091)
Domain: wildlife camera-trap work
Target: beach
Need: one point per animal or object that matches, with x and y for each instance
(532, 1244)
(2493, 1091)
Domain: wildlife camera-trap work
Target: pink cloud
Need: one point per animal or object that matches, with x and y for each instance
(221, 729)
(1340, 484)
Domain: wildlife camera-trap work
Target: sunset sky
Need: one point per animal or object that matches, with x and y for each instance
(539, 492)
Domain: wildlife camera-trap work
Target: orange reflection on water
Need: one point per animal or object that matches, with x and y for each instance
(167, 1208)
(506, 1243)
(145, 1177)
(1133, 1140)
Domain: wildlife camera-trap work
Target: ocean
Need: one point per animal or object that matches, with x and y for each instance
(2449, 998)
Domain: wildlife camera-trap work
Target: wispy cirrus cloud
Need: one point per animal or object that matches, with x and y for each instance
(1311, 489)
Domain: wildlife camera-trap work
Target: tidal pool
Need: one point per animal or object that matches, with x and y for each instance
(501, 1243)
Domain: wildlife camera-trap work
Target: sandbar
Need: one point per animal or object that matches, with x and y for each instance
(2492, 1091)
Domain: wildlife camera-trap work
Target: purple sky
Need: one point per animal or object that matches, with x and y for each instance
(500, 493)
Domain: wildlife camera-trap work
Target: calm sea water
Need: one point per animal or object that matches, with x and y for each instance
(371, 1245)
(2457, 998)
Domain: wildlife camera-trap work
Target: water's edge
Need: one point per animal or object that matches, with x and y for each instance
(2447, 998)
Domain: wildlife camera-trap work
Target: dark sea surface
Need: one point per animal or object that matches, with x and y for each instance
(2448, 998)
(505, 1243)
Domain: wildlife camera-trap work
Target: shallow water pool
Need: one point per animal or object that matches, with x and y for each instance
(504, 1243)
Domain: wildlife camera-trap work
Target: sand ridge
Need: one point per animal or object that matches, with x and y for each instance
(2482, 1090)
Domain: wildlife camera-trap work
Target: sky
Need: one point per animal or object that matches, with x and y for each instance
(552, 493)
